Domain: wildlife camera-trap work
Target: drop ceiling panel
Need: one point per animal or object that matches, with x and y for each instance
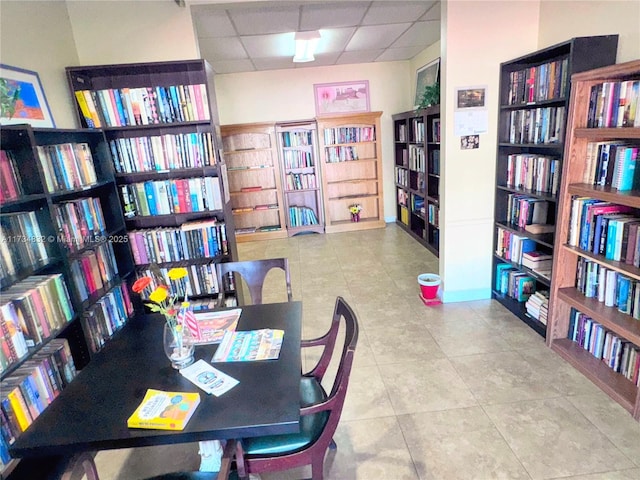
(261, 20)
(214, 23)
(361, 56)
(433, 13)
(376, 36)
(232, 66)
(315, 17)
(393, 54)
(226, 48)
(334, 39)
(322, 60)
(421, 33)
(275, 45)
(382, 13)
(273, 63)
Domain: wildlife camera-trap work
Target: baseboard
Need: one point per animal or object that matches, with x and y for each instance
(466, 295)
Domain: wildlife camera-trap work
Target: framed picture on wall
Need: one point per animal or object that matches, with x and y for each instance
(342, 97)
(428, 74)
(22, 98)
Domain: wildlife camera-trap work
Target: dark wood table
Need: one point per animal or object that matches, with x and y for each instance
(91, 413)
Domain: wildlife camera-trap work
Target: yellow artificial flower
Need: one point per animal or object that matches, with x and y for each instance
(177, 273)
(159, 295)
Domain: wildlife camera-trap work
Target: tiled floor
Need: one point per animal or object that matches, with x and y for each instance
(459, 391)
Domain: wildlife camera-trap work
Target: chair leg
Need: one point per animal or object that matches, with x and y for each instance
(317, 465)
(242, 472)
(333, 445)
(79, 466)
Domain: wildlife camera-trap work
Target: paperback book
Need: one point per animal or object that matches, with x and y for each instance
(164, 410)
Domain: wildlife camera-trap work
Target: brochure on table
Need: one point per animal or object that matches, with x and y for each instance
(248, 346)
(208, 378)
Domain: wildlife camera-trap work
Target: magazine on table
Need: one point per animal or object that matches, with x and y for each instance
(247, 346)
(213, 325)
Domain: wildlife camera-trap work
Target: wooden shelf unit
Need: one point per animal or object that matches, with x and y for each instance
(417, 174)
(351, 170)
(166, 139)
(564, 294)
(251, 155)
(301, 177)
(550, 89)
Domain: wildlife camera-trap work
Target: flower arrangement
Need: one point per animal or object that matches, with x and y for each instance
(355, 209)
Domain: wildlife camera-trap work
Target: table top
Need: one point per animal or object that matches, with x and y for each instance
(91, 413)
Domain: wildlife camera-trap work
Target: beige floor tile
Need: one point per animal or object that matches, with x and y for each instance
(425, 386)
(367, 396)
(632, 474)
(553, 439)
(459, 444)
(398, 345)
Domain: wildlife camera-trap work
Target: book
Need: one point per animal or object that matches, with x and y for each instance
(212, 326)
(208, 378)
(164, 410)
(247, 346)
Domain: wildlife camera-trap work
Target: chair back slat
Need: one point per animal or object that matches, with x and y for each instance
(254, 273)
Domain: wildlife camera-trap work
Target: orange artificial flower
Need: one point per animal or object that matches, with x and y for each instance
(140, 284)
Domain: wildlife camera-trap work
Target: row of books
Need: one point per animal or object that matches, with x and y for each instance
(433, 215)
(538, 261)
(617, 353)
(533, 172)
(297, 159)
(300, 216)
(537, 126)
(337, 135)
(79, 222)
(403, 197)
(94, 270)
(614, 104)
(417, 181)
(417, 205)
(31, 311)
(434, 162)
(301, 181)
(10, 181)
(436, 130)
(30, 389)
(256, 208)
(297, 138)
(606, 229)
(120, 107)
(257, 229)
(341, 154)
(537, 306)
(402, 176)
(192, 240)
(417, 130)
(511, 246)
(163, 152)
(416, 157)
(202, 279)
(67, 166)
(514, 283)
(22, 245)
(167, 197)
(612, 164)
(107, 316)
(612, 288)
(547, 81)
(401, 132)
(524, 210)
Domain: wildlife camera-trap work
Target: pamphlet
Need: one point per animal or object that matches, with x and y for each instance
(248, 346)
(208, 378)
(213, 325)
(164, 410)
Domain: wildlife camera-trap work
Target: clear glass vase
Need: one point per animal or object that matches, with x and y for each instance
(178, 346)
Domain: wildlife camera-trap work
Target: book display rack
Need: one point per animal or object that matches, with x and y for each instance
(65, 266)
(594, 320)
(160, 123)
(250, 151)
(298, 144)
(351, 170)
(417, 173)
(534, 99)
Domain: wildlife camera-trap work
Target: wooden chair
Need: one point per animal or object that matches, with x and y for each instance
(319, 412)
(254, 273)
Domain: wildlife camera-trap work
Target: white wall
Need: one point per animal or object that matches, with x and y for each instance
(37, 36)
(477, 37)
(281, 95)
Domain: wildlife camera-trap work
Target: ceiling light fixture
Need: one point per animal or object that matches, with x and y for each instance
(306, 43)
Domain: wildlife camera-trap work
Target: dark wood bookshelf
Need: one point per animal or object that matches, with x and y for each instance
(550, 70)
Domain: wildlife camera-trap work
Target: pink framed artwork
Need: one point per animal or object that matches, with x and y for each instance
(342, 97)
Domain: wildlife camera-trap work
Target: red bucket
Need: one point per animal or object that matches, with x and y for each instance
(429, 285)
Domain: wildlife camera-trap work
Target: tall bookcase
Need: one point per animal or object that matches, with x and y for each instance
(161, 124)
(61, 219)
(351, 168)
(534, 99)
(251, 154)
(417, 171)
(601, 341)
(301, 181)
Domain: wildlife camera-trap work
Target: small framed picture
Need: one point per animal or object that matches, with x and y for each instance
(429, 74)
(470, 97)
(22, 98)
(342, 97)
(469, 142)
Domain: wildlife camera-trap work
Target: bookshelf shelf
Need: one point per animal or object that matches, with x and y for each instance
(254, 179)
(417, 158)
(534, 98)
(610, 365)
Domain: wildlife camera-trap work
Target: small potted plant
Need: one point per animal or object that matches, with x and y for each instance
(355, 210)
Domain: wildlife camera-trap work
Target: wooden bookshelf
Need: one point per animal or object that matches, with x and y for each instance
(301, 180)
(251, 154)
(566, 297)
(163, 139)
(52, 188)
(534, 102)
(417, 174)
(351, 168)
